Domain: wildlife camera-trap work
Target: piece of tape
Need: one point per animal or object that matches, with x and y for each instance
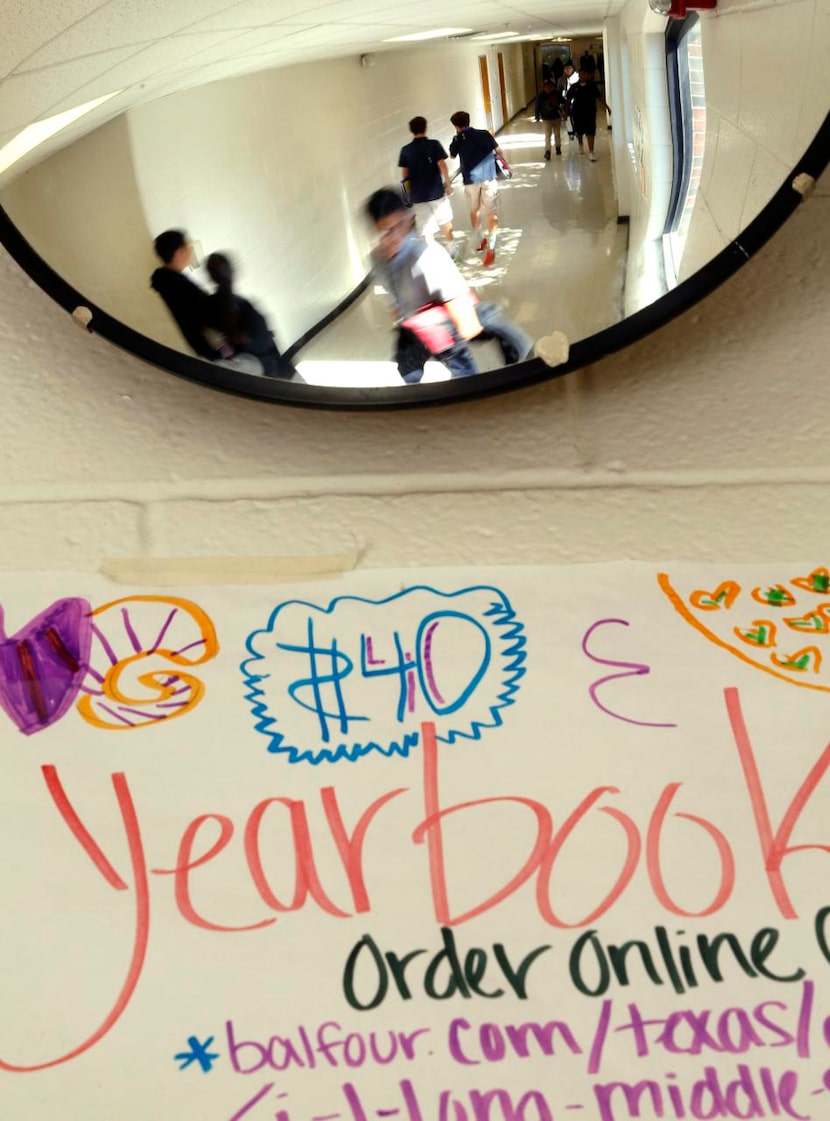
(179, 571)
(804, 185)
(553, 349)
(83, 317)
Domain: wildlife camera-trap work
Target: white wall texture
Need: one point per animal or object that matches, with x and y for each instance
(706, 440)
(81, 209)
(755, 130)
(641, 141)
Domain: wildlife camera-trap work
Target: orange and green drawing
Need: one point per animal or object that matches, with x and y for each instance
(716, 614)
(817, 581)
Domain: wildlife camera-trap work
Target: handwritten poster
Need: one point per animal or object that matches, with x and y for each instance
(445, 845)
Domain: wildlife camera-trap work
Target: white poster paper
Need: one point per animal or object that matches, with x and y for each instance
(446, 845)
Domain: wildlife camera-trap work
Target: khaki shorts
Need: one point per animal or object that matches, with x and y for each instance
(484, 196)
(431, 216)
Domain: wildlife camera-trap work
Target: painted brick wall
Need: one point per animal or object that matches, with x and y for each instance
(755, 131)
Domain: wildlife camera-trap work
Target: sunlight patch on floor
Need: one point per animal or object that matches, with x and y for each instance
(334, 373)
(472, 264)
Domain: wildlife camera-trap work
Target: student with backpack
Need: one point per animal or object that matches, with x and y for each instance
(423, 165)
(476, 150)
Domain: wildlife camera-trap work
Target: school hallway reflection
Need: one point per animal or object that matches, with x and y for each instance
(560, 261)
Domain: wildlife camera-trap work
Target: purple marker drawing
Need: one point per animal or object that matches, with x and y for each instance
(600, 1036)
(370, 655)
(255, 1100)
(43, 665)
(161, 635)
(108, 650)
(429, 670)
(632, 669)
(135, 641)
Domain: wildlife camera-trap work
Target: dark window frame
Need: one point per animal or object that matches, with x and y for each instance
(681, 128)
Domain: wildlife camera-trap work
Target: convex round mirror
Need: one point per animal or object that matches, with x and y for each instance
(259, 131)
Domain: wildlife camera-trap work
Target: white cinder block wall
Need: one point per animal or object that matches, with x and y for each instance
(292, 155)
(752, 139)
(642, 130)
(753, 136)
(82, 212)
(706, 440)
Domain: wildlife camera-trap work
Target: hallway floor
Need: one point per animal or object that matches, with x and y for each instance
(560, 262)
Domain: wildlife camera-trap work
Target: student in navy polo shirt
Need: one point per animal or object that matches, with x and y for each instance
(476, 149)
(423, 162)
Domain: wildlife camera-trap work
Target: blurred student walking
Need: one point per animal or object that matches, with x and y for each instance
(244, 328)
(434, 311)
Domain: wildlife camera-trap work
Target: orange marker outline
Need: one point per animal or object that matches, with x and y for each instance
(804, 582)
(728, 588)
(820, 612)
(814, 650)
(681, 608)
(788, 602)
(771, 627)
(154, 681)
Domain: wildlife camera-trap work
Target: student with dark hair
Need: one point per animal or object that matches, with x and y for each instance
(549, 111)
(168, 244)
(476, 150)
(185, 300)
(244, 329)
(423, 163)
(432, 306)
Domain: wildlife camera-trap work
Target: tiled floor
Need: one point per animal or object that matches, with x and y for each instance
(560, 261)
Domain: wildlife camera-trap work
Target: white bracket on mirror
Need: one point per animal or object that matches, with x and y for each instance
(804, 185)
(83, 317)
(553, 349)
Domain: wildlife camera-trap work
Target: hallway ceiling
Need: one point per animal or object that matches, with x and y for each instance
(58, 54)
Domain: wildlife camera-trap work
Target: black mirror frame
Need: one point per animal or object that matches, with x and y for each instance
(583, 353)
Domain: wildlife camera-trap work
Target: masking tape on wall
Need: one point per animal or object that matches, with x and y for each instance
(174, 571)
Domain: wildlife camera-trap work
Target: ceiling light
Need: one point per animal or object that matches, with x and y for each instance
(34, 135)
(440, 33)
(496, 35)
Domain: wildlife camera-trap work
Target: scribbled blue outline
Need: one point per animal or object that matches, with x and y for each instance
(501, 615)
